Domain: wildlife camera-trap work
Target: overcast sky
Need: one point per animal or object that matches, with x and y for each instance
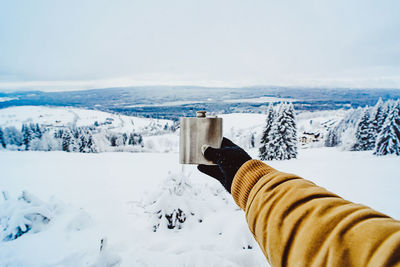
(100, 43)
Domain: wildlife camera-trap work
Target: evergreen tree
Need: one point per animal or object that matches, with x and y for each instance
(74, 145)
(58, 134)
(140, 140)
(12, 136)
(124, 138)
(135, 139)
(2, 139)
(86, 142)
(292, 131)
(265, 142)
(37, 131)
(364, 139)
(378, 117)
(332, 139)
(27, 135)
(131, 140)
(68, 140)
(91, 145)
(82, 141)
(388, 141)
(113, 140)
(283, 135)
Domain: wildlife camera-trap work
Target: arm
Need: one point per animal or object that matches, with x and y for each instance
(297, 223)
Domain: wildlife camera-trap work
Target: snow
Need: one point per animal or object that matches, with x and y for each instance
(263, 99)
(114, 201)
(5, 99)
(314, 121)
(105, 197)
(237, 126)
(240, 126)
(65, 116)
(164, 104)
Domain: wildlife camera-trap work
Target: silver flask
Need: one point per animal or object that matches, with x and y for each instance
(195, 132)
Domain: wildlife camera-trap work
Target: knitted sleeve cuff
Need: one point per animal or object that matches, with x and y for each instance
(246, 177)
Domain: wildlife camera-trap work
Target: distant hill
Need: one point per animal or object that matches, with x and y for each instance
(172, 102)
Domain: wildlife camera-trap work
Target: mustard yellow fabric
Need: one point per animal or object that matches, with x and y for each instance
(297, 223)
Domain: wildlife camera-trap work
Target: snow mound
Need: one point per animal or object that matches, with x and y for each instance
(106, 258)
(22, 215)
(29, 214)
(78, 117)
(179, 201)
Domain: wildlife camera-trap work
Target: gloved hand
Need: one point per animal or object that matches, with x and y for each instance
(229, 158)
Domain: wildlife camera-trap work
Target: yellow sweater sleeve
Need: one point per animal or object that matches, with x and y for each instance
(297, 223)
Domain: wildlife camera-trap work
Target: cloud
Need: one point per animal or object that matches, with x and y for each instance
(383, 82)
(85, 44)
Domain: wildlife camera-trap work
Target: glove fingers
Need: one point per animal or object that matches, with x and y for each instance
(226, 142)
(212, 154)
(211, 170)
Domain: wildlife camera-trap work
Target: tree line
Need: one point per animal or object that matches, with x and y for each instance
(377, 129)
(88, 139)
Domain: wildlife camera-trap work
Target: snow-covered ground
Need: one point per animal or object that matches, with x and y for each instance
(240, 127)
(112, 196)
(66, 116)
(263, 99)
(318, 121)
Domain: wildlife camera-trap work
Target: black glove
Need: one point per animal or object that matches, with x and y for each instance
(229, 158)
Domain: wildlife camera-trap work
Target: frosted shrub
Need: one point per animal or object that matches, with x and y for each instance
(19, 216)
(170, 209)
(179, 202)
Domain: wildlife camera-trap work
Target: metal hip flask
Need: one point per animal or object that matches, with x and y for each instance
(195, 132)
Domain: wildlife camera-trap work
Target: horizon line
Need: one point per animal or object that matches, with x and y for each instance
(82, 85)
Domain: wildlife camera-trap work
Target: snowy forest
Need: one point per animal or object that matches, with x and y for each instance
(35, 137)
(374, 128)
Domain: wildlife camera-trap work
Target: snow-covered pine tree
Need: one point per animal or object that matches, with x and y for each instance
(135, 139)
(283, 135)
(74, 145)
(332, 139)
(27, 135)
(91, 145)
(37, 131)
(364, 139)
(387, 106)
(292, 131)
(265, 142)
(388, 141)
(48, 142)
(113, 140)
(378, 117)
(140, 140)
(68, 140)
(82, 141)
(124, 138)
(2, 140)
(86, 143)
(58, 133)
(131, 139)
(12, 136)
